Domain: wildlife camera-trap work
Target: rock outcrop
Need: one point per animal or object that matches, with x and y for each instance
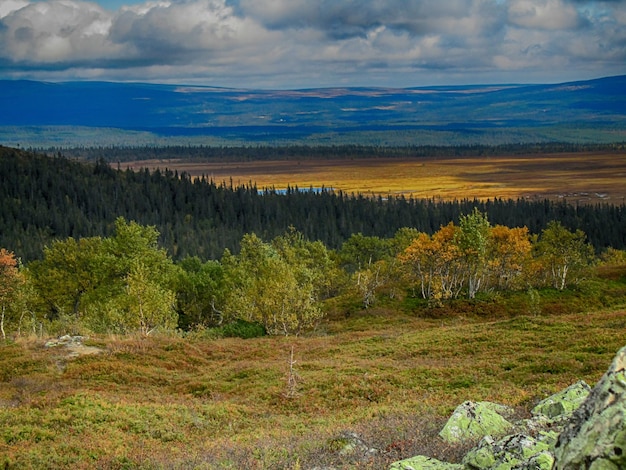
(508, 452)
(595, 436)
(472, 421)
(575, 429)
(73, 345)
(561, 406)
(65, 340)
(350, 443)
(424, 463)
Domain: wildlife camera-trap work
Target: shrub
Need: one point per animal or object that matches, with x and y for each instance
(242, 329)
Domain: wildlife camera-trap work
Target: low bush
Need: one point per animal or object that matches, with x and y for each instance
(242, 329)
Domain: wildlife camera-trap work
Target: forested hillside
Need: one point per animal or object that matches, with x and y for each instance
(42, 114)
(44, 198)
(202, 153)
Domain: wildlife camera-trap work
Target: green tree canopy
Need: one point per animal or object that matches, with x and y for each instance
(94, 280)
(564, 254)
(276, 284)
(473, 242)
(200, 292)
(360, 251)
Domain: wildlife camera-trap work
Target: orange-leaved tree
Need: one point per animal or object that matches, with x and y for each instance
(435, 263)
(419, 260)
(449, 269)
(510, 256)
(10, 281)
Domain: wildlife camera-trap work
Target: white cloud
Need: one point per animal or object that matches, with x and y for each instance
(297, 43)
(166, 29)
(143, 8)
(543, 14)
(52, 32)
(9, 6)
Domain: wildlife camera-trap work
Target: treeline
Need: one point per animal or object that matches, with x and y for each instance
(202, 153)
(127, 283)
(46, 198)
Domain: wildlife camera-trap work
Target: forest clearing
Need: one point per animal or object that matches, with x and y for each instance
(581, 177)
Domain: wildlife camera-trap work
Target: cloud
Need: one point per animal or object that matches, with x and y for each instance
(57, 32)
(350, 18)
(171, 32)
(9, 6)
(297, 43)
(544, 14)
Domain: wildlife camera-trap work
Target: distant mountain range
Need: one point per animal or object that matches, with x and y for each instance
(43, 114)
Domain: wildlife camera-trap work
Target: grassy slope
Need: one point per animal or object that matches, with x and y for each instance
(391, 375)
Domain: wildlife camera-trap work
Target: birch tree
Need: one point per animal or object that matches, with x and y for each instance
(435, 262)
(509, 256)
(564, 254)
(420, 262)
(473, 241)
(267, 287)
(11, 280)
(150, 305)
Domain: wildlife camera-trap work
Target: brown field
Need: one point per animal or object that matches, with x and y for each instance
(584, 177)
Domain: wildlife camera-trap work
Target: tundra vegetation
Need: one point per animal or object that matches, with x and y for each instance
(268, 356)
(392, 373)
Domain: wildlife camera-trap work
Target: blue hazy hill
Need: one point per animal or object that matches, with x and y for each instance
(585, 111)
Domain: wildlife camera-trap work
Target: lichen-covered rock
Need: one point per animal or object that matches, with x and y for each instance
(73, 345)
(482, 456)
(575, 429)
(505, 454)
(350, 443)
(541, 461)
(595, 436)
(64, 341)
(548, 437)
(474, 420)
(562, 405)
(424, 463)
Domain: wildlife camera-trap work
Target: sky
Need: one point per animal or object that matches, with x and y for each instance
(293, 44)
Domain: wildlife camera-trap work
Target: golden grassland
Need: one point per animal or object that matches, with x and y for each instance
(392, 374)
(584, 177)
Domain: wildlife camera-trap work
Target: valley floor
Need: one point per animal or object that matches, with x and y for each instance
(581, 177)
